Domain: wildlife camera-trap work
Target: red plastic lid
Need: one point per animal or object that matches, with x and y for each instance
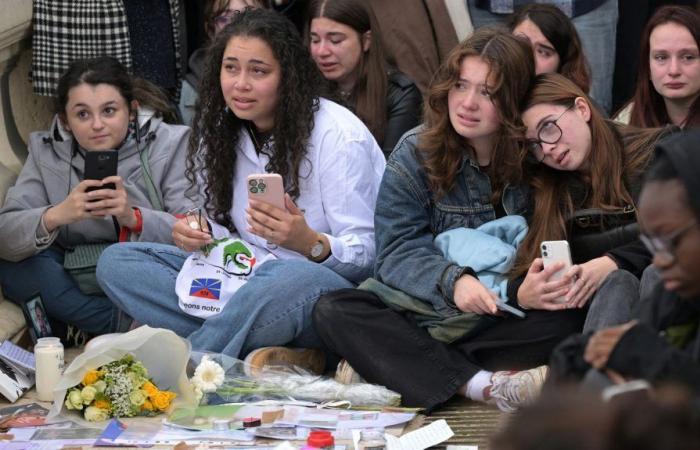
(320, 439)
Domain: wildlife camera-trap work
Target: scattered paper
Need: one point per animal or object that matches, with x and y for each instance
(17, 355)
(421, 438)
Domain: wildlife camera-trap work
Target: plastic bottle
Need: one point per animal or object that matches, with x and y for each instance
(48, 353)
(321, 439)
(372, 440)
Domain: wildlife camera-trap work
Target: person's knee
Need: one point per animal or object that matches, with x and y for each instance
(330, 308)
(620, 277)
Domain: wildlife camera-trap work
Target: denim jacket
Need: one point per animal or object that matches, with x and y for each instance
(408, 218)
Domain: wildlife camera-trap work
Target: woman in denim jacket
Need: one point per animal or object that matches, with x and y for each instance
(452, 173)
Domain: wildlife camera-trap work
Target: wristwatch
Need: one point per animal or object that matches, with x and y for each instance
(316, 249)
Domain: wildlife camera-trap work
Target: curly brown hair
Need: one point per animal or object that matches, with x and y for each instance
(217, 131)
(512, 66)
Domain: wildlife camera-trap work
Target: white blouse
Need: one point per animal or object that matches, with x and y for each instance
(338, 185)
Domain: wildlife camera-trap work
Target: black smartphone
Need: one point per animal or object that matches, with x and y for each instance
(99, 165)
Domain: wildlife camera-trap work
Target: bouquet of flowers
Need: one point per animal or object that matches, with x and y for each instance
(221, 379)
(120, 388)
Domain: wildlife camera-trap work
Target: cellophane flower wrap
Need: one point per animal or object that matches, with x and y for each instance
(218, 379)
(118, 389)
(141, 372)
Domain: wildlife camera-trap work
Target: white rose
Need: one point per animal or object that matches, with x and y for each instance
(88, 394)
(74, 400)
(93, 414)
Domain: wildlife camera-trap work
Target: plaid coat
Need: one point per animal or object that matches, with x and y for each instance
(65, 30)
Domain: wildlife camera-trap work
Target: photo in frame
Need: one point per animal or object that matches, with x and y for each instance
(36, 317)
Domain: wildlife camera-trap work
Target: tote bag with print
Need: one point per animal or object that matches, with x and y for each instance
(211, 276)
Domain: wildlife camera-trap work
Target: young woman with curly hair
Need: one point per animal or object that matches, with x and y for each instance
(668, 84)
(427, 326)
(261, 110)
(555, 42)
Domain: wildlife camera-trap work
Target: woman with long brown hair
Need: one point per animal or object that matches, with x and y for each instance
(555, 41)
(668, 84)
(426, 325)
(585, 174)
(346, 44)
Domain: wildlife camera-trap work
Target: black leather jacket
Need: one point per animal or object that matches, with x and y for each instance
(403, 105)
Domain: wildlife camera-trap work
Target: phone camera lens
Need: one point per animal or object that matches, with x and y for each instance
(253, 182)
(253, 190)
(544, 253)
(262, 186)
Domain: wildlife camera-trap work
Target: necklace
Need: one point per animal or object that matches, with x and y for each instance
(259, 139)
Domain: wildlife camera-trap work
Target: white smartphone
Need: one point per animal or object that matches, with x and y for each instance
(553, 252)
(268, 188)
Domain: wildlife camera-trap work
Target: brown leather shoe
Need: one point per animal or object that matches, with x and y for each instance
(309, 359)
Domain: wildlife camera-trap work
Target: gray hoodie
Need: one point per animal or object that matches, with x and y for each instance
(53, 169)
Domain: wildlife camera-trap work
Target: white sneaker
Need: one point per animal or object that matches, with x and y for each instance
(509, 390)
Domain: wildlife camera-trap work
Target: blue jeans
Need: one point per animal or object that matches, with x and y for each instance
(44, 273)
(272, 308)
(596, 29)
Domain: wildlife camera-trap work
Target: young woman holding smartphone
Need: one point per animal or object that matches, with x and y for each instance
(99, 106)
(460, 170)
(585, 174)
(261, 111)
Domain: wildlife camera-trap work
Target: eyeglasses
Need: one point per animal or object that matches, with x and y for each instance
(549, 133)
(665, 246)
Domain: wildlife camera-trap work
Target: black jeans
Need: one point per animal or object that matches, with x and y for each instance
(388, 348)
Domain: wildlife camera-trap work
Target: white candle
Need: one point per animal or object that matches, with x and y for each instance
(48, 353)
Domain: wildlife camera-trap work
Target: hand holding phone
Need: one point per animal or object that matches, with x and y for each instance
(554, 252)
(100, 165)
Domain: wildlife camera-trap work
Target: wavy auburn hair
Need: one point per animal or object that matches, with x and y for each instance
(511, 67)
(618, 154)
(648, 106)
(216, 135)
(558, 30)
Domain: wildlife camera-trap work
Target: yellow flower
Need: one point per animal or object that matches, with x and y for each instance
(150, 388)
(102, 404)
(91, 376)
(147, 406)
(161, 400)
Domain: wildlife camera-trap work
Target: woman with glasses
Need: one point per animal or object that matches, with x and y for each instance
(217, 14)
(585, 175)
